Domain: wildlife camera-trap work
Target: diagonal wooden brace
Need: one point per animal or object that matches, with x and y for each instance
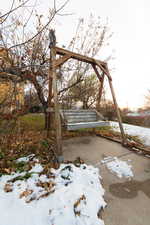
(124, 140)
(61, 61)
(104, 69)
(97, 73)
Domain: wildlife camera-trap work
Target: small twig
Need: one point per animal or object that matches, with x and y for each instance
(44, 27)
(8, 12)
(12, 10)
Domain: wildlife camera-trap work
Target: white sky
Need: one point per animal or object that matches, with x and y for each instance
(129, 20)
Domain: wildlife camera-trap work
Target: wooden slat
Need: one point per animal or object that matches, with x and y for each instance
(82, 113)
(77, 126)
(79, 116)
(78, 112)
(78, 120)
(82, 119)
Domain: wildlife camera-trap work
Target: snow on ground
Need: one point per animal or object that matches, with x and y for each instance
(70, 195)
(119, 167)
(142, 132)
(27, 158)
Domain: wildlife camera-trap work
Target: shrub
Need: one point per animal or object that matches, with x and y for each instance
(137, 120)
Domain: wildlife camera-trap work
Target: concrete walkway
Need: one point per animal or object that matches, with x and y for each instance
(128, 201)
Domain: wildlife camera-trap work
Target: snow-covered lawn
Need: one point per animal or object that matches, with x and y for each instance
(70, 195)
(142, 132)
(119, 167)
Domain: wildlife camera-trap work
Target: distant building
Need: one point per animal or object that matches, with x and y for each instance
(133, 114)
(144, 113)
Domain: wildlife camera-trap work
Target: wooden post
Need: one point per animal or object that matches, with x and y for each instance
(66, 55)
(100, 91)
(101, 80)
(117, 110)
(56, 108)
(49, 113)
(53, 85)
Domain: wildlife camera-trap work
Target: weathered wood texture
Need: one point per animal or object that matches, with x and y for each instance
(50, 80)
(104, 68)
(84, 124)
(61, 51)
(56, 107)
(77, 119)
(117, 110)
(97, 72)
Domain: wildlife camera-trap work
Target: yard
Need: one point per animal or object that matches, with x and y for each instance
(30, 176)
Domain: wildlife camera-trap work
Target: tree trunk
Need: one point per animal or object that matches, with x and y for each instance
(46, 120)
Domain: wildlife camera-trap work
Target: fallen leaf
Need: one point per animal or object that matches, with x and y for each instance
(8, 188)
(25, 193)
(7, 170)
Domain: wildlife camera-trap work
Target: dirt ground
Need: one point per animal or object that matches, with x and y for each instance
(128, 201)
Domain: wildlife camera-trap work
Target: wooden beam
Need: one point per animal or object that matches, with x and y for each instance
(101, 79)
(49, 114)
(124, 141)
(61, 51)
(56, 108)
(97, 73)
(61, 61)
(100, 91)
(104, 69)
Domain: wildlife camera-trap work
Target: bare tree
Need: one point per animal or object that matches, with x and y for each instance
(89, 38)
(13, 8)
(29, 59)
(27, 53)
(9, 21)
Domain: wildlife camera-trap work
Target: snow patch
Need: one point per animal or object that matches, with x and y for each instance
(142, 132)
(27, 158)
(70, 195)
(119, 167)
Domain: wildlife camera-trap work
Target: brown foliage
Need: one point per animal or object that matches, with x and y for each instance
(26, 193)
(137, 120)
(8, 188)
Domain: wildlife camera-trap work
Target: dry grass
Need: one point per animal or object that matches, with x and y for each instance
(27, 136)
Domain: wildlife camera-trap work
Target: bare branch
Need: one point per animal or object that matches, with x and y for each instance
(72, 85)
(65, 14)
(12, 10)
(61, 7)
(30, 14)
(44, 27)
(8, 12)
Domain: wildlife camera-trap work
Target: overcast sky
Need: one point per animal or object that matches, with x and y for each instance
(129, 20)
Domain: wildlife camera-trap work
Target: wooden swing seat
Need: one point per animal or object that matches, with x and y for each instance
(77, 119)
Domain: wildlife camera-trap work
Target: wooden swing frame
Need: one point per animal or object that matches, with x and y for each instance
(54, 64)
